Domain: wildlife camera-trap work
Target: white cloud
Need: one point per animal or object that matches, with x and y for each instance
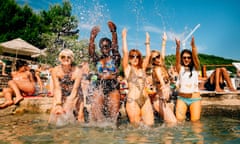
(152, 29)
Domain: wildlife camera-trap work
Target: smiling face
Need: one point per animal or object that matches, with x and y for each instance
(156, 58)
(186, 59)
(135, 58)
(66, 57)
(105, 46)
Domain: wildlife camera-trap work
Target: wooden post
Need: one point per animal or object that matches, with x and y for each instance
(204, 71)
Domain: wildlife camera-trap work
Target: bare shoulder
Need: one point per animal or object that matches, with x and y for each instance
(56, 70)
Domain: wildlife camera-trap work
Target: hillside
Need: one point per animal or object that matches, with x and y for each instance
(206, 59)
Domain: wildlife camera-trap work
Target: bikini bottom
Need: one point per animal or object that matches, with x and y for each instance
(189, 101)
(140, 101)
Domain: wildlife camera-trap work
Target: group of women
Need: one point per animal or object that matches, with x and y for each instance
(140, 103)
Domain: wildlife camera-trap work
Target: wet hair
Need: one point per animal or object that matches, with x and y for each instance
(20, 63)
(135, 51)
(191, 65)
(105, 39)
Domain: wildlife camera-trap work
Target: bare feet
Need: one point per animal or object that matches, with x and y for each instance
(112, 26)
(4, 74)
(219, 90)
(232, 89)
(18, 100)
(6, 104)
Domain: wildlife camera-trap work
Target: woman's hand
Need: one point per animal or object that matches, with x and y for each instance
(124, 33)
(59, 110)
(95, 31)
(193, 42)
(164, 37)
(177, 43)
(147, 38)
(85, 68)
(166, 92)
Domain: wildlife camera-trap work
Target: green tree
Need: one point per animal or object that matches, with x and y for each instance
(20, 22)
(62, 33)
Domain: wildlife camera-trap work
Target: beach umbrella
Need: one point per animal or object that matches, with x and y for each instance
(20, 47)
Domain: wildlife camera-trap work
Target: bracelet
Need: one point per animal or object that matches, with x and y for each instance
(147, 43)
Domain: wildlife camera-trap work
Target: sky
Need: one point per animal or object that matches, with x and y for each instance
(215, 24)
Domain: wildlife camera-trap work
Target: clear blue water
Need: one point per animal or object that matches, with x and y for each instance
(33, 128)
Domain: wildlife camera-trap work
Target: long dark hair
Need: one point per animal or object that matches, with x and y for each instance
(191, 65)
(20, 63)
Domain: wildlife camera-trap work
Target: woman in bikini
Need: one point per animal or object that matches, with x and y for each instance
(138, 106)
(68, 98)
(105, 101)
(161, 79)
(22, 83)
(187, 65)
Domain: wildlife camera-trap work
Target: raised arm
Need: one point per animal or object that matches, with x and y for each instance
(178, 57)
(195, 54)
(124, 49)
(148, 51)
(115, 51)
(163, 51)
(91, 49)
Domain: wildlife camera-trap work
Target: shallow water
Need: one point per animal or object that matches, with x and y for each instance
(33, 128)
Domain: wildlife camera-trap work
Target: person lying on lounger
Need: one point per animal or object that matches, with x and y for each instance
(21, 83)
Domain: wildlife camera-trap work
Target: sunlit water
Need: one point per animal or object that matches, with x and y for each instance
(33, 128)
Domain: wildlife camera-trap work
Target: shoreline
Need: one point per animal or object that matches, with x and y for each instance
(213, 103)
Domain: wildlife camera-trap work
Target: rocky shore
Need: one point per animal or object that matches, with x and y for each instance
(225, 104)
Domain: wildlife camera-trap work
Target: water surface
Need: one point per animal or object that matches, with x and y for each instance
(33, 128)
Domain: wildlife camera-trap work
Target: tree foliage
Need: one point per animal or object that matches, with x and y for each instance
(20, 22)
(62, 32)
(53, 29)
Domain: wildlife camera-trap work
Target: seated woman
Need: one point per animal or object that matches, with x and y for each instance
(22, 83)
(68, 98)
(139, 108)
(216, 81)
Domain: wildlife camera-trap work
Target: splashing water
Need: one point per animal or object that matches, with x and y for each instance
(190, 34)
(91, 13)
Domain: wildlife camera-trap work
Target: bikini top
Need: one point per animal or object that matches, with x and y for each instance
(137, 79)
(107, 67)
(66, 84)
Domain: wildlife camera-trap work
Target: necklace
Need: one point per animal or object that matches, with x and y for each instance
(66, 70)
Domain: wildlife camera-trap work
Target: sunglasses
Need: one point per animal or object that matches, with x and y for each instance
(63, 57)
(134, 56)
(106, 46)
(156, 57)
(187, 57)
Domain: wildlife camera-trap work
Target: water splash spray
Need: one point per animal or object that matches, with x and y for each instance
(188, 36)
(91, 13)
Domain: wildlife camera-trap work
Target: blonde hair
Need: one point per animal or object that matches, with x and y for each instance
(151, 57)
(67, 52)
